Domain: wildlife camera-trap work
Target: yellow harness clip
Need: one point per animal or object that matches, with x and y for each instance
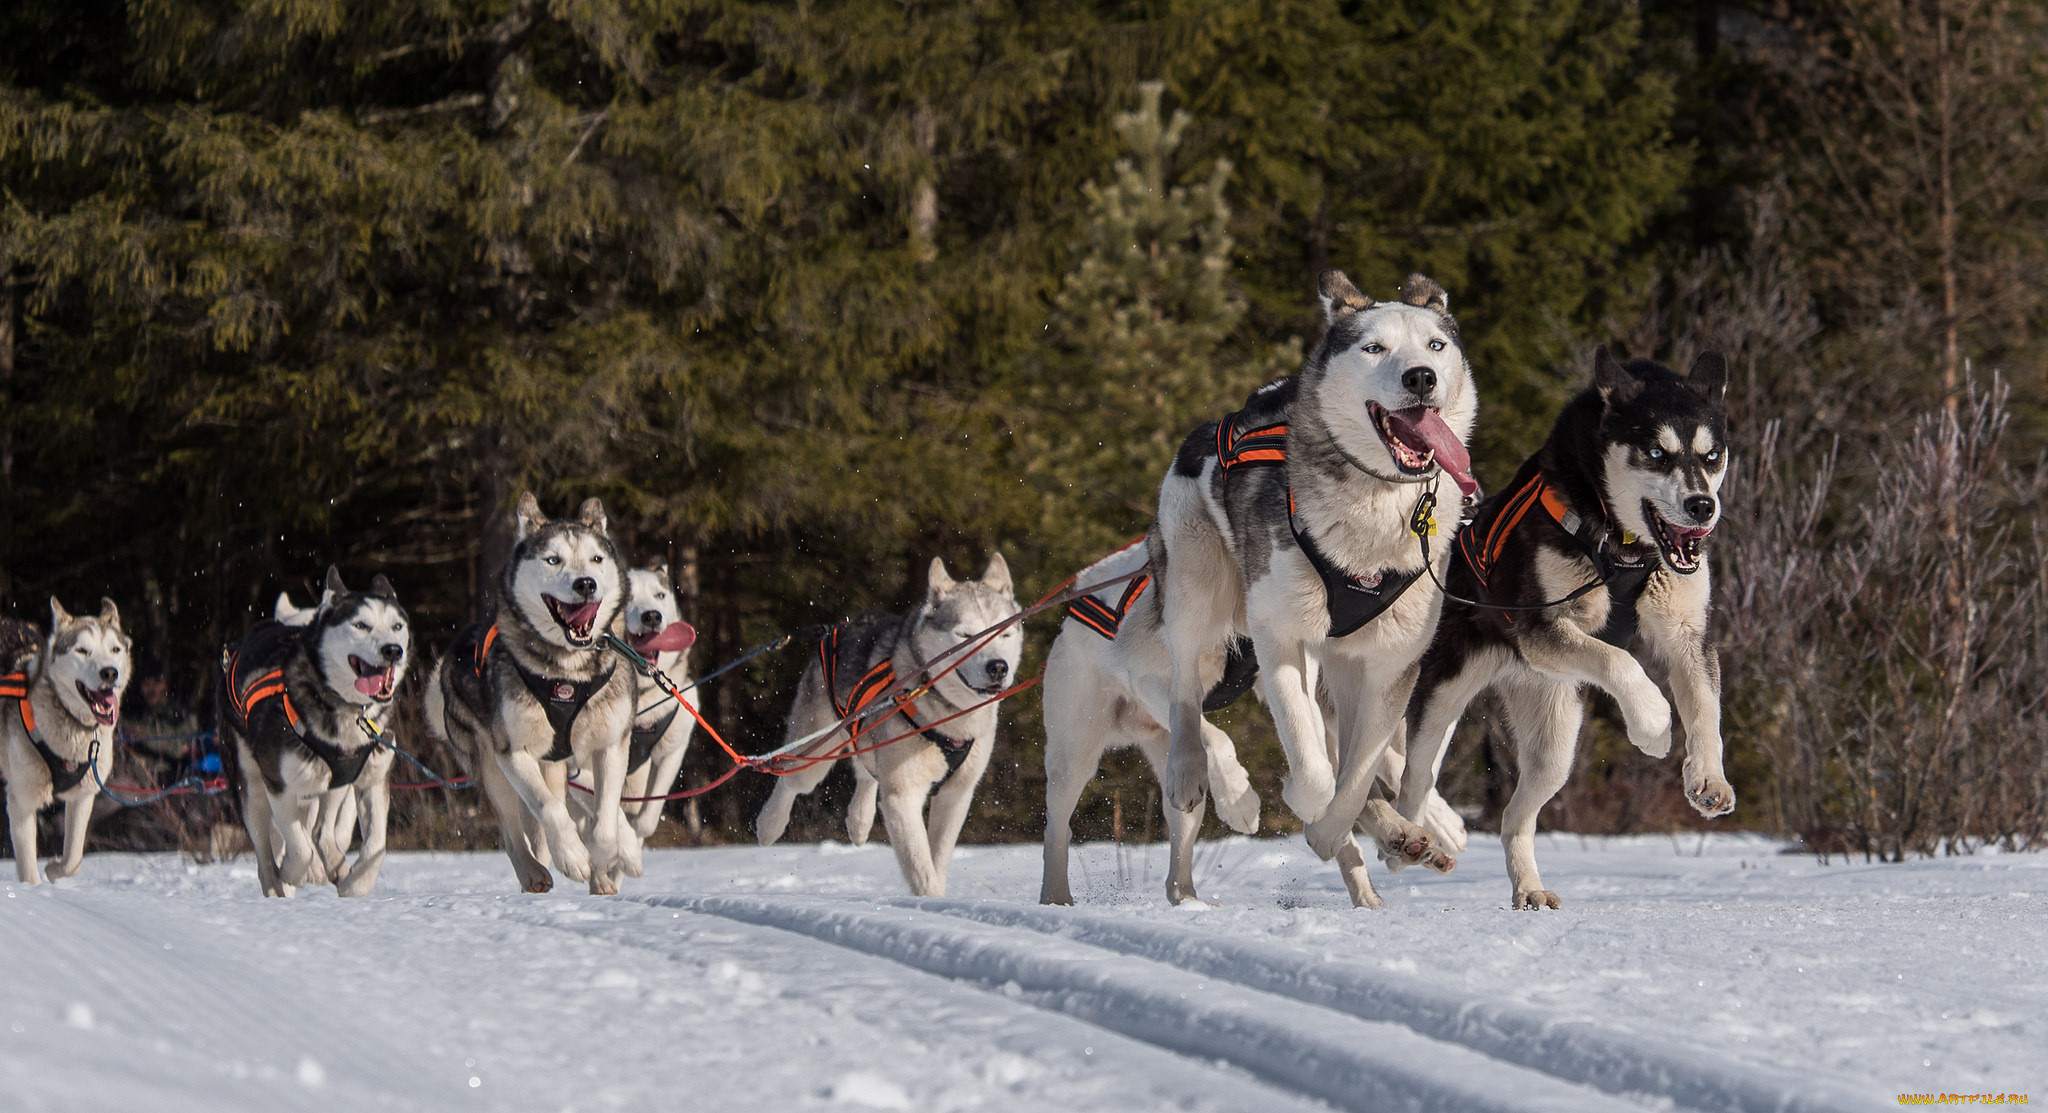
(1627, 538)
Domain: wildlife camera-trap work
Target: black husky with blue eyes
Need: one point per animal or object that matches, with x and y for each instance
(1598, 545)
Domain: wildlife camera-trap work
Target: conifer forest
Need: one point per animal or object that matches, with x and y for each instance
(810, 293)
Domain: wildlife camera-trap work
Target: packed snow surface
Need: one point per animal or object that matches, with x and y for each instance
(1688, 973)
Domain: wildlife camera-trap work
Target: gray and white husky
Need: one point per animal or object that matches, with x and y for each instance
(1311, 556)
(57, 731)
(301, 700)
(527, 692)
(661, 728)
(865, 660)
(1105, 688)
(1613, 514)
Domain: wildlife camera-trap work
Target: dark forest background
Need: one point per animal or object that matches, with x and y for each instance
(810, 293)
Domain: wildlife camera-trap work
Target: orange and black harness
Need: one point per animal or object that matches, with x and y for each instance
(1249, 439)
(877, 680)
(1479, 547)
(64, 773)
(263, 710)
(561, 700)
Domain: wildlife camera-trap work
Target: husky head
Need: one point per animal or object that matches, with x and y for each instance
(360, 640)
(653, 623)
(1664, 450)
(565, 577)
(955, 611)
(87, 663)
(1390, 382)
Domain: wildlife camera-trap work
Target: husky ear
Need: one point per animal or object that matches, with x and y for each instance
(997, 577)
(591, 514)
(330, 588)
(1709, 376)
(382, 589)
(529, 515)
(110, 614)
(1422, 291)
(1612, 379)
(1340, 298)
(660, 568)
(939, 579)
(58, 616)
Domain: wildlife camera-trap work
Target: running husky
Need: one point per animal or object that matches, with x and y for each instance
(1289, 523)
(861, 660)
(299, 700)
(532, 688)
(1105, 688)
(57, 721)
(661, 729)
(1610, 520)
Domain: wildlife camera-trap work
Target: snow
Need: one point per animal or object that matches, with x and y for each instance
(1689, 973)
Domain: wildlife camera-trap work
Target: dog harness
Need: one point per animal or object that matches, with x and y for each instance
(64, 773)
(561, 700)
(1479, 546)
(877, 680)
(263, 707)
(1240, 671)
(646, 738)
(1256, 437)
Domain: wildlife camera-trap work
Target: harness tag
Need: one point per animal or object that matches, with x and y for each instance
(564, 690)
(1627, 538)
(1422, 523)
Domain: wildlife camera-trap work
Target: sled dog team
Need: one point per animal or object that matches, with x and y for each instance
(1305, 544)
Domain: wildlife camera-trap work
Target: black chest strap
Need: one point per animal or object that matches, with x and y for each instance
(646, 738)
(1352, 601)
(562, 700)
(64, 772)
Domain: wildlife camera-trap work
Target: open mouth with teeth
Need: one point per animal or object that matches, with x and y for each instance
(374, 680)
(104, 707)
(672, 638)
(1418, 440)
(577, 620)
(1679, 544)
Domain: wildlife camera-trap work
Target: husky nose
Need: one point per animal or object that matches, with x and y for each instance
(392, 652)
(998, 671)
(1419, 381)
(585, 586)
(109, 674)
(1701, 507)
(651, 620)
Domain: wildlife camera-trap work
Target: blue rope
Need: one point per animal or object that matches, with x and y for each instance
(176, 788)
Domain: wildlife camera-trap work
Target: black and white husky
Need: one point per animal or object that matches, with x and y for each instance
(532, 689)
(57, 730)
(1288, 523)
(1613, 515)
(1105, 688)
(301, 700)
(868, 658)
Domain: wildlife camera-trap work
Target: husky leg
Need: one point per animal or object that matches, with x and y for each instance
(1447, 686)
(21, 825)
(77, 818)
(1200, 593)
(373, 808)
(949, 808)
(1369, 712)
(903, 817)
(1564, 652)
(1073, 752)
(514, 827)
(1230, 787)
(860, 811)
(256, 819)
(301, 864)
(1182, 828)
(1388, 827)
(1544, 718)
(335, 830)
(1695, 675)
(607, 844)
(565, 846)
(774, 817)
(660, 782)
(1290, 690)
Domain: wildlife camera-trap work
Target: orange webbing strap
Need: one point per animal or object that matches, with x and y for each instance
(1481, 546)
(483, 650)
(1103, 619)
(874, 683)
(14, 686)
(1240, 447)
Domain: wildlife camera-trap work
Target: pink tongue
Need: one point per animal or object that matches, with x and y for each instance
(1424, 425)
(585, 614)
(674, 637)
(370, 685)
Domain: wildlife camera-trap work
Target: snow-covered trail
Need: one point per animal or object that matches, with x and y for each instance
(1692, 974)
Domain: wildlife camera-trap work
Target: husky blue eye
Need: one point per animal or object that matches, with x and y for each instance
(1656, 454)
(1373, 349)
(1436, 345)
(1713, 456)
(554, 560)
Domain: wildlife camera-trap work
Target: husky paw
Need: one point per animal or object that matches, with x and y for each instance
(1534, 899)
(57, 871)
(1185, 783)
(540, 882)
(1649, 727)
(1363, 895)
(1176, 892)
(1308, 794)
(1411, 846)
(573, 859)
(353, 886)
(630, 850)
(1240, 812)
(604, 883)
(1445, 826)
(1327, 835)
(1442, 861)
(1710, 796)
(1050, 893)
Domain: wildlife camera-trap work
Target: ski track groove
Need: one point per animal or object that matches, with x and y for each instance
(1609, 1059)
(1354, 1063)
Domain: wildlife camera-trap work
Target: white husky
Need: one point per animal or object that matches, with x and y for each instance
(57, 731)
